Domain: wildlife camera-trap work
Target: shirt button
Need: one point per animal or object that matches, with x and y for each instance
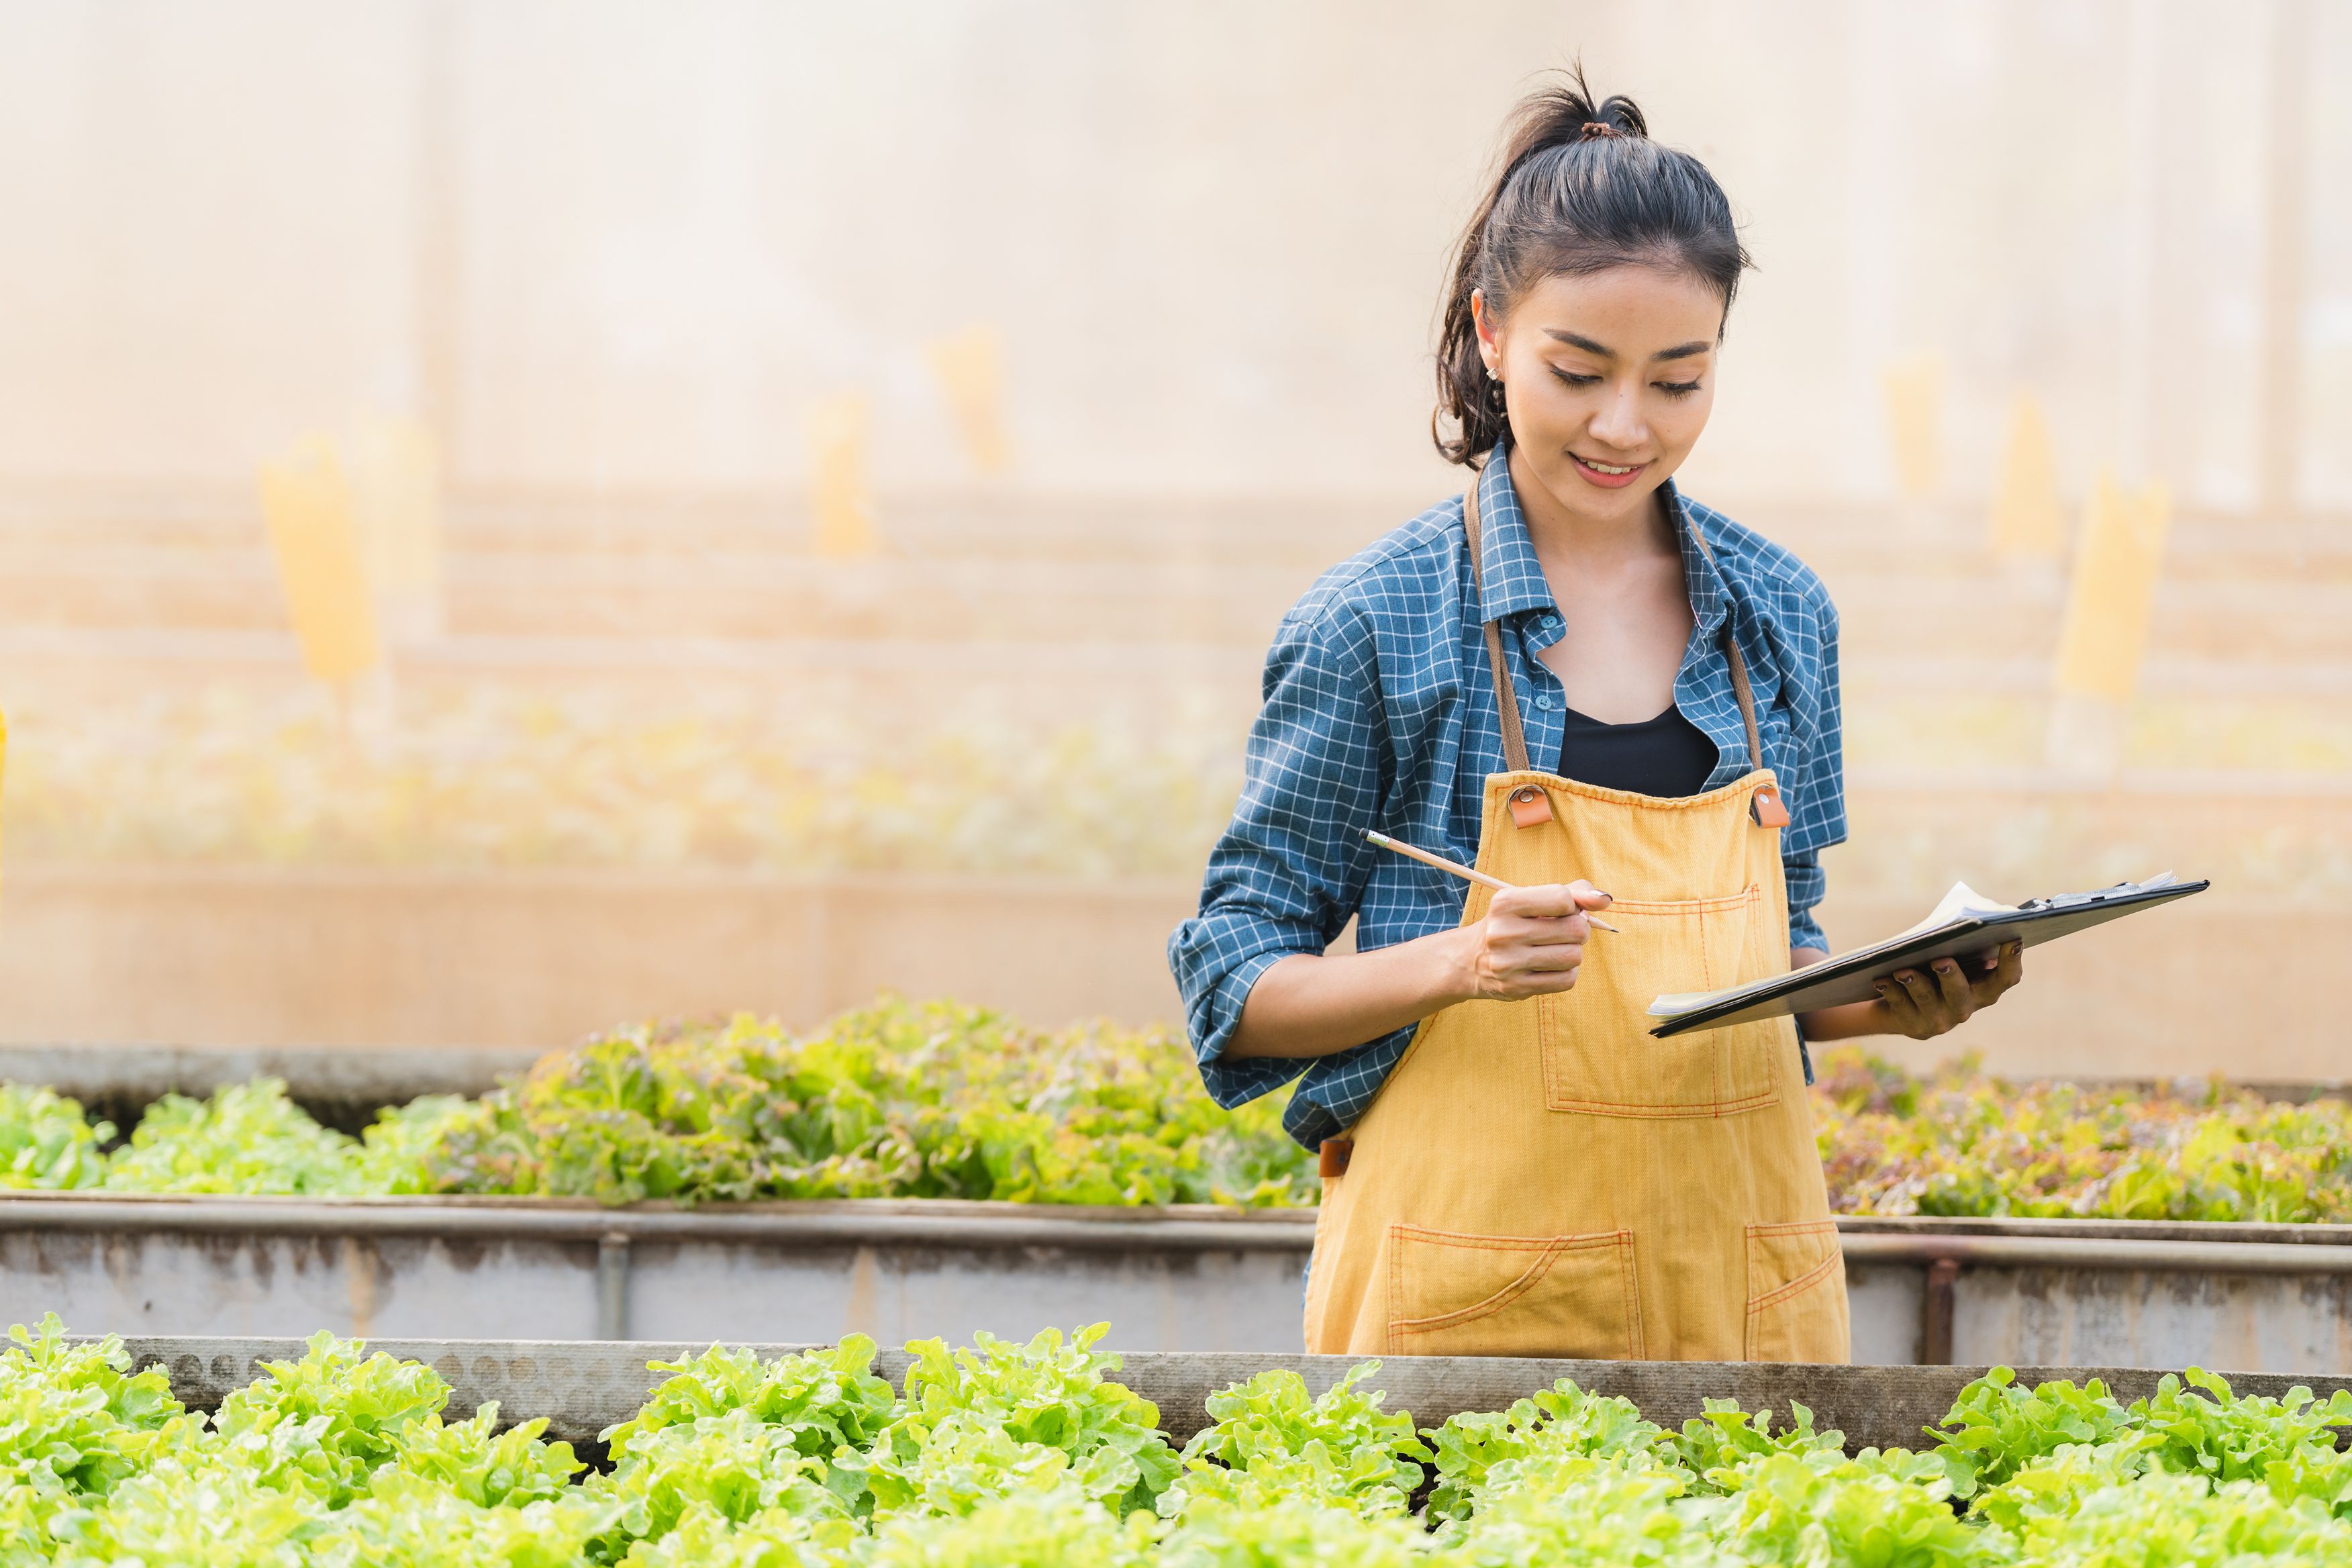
(1543, 700)
(1551, 623)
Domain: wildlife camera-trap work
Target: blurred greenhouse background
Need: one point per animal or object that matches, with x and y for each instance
(516, 515)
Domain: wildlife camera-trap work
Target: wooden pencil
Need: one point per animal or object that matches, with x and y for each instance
(1467, 873)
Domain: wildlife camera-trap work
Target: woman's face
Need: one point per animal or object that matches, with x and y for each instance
(1609, 377)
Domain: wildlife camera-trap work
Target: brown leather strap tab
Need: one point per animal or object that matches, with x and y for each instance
(1331, 1159)
(1507, 699)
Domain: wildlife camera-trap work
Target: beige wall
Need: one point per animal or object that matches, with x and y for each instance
(625, 244)
(614, 252)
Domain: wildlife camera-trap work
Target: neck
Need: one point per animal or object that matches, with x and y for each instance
(1560, 530)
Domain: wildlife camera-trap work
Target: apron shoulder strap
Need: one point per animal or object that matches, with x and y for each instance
(1741, 689)
(1506, 698)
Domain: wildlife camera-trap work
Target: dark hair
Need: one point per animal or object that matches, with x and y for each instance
(1581, 187)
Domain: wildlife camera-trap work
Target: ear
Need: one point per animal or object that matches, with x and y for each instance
(1490, 345)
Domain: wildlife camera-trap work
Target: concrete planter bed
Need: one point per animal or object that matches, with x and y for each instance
(2024, 1292)
(584, 1388)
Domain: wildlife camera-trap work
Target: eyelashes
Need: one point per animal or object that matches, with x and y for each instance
(1671, 388)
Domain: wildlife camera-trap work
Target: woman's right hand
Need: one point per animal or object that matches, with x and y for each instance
(1531, 944)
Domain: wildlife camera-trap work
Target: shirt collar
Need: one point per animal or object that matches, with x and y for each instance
(1514, 577)
(1710, 597)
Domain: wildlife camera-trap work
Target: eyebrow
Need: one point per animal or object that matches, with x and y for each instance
(1577, 340)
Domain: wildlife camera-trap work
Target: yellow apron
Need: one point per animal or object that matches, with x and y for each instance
(1543, 1178)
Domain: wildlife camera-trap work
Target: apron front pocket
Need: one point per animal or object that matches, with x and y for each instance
(1597, 1053)
(1456, 1294)
(1796, 1293)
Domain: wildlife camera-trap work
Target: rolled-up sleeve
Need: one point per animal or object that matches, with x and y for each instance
(1819, 792)
(1290, 869)
(1807, 883)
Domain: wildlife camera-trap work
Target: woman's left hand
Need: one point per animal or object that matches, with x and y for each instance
(1924, 1004)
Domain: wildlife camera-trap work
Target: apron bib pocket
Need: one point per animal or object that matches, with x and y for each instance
(1456, 1294)
(1796, 1293)
(1590, 1064)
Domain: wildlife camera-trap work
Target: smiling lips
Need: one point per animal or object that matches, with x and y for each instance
(1608, 476)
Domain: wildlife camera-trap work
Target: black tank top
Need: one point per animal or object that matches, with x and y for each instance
(1667, 756)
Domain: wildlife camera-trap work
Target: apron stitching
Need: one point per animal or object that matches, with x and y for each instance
(1797, 1286)
(1549, 1250)
(1632, 1295)
(1681, 1110)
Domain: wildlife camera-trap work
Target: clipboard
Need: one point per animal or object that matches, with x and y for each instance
(1963, 924)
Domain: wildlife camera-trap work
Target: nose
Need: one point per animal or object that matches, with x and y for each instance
(1618, 421)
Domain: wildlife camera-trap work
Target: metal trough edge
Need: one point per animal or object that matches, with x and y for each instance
(1002, 1227)
(964, 1231)
(2102, 1253)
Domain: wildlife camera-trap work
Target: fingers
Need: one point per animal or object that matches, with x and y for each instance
(1911, 1000)
(1952, 991)
(1549, 900)
(2007, 967)
(1535, 972)
(1534, 940)
(1561, 958)
(1544, 915)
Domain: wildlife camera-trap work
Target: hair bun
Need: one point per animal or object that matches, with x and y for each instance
(1594, 130)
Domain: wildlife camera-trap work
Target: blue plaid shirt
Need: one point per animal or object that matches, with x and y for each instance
(1379, 713)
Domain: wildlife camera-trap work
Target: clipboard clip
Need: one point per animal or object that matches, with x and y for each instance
(2099, 896)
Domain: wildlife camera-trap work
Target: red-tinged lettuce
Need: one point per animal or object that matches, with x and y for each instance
(1963, 1145)
(894, 1101)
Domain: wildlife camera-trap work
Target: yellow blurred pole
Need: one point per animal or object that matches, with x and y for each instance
(2028, 520)
(307, 506)
(844, 513)
(2112, 599)
(1915, 418)
(970, 366)
(396, 487)
(2102, 640)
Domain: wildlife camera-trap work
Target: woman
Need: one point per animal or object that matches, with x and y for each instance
(1623, 703)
